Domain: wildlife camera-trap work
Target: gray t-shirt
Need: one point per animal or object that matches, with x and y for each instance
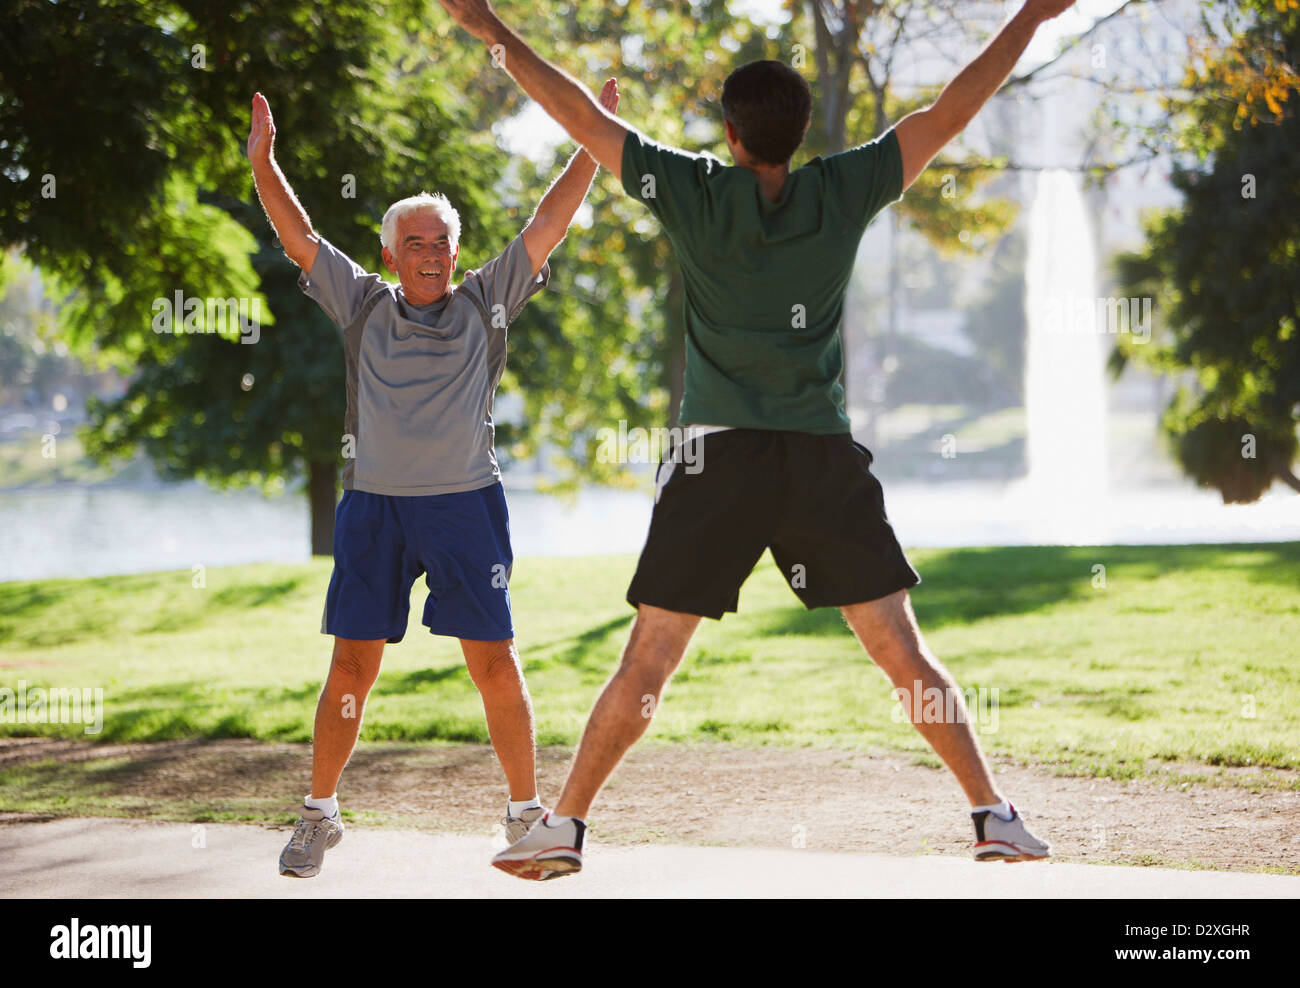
(421, 378)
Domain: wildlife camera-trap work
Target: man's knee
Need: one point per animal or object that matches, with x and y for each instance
(355, 665)
(888, 630)
(650, 660)
(493, 665)
(660, 635)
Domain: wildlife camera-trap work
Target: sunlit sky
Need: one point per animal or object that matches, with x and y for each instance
(536, 135)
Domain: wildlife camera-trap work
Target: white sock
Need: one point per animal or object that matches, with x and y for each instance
(1000, 810)
(328, 805)
(517, 806)
(555, 820)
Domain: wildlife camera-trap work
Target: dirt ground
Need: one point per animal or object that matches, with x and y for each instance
(830, 800)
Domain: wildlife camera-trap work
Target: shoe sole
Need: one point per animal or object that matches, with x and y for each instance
(541, 869)
(999, 851)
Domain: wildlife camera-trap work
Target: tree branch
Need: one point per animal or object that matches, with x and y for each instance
(1020, 80)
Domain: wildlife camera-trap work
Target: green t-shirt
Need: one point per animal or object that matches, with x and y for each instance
(764, 281)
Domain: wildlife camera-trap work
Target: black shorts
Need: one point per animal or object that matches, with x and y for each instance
(723, 498)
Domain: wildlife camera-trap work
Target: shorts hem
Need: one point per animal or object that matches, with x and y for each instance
(865, 597)
(392, 638)
(475, 637)
(712, 615)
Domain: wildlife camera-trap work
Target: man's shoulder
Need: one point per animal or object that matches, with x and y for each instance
(472, 290)
(650, 147)
(336, 256)
(515, 246)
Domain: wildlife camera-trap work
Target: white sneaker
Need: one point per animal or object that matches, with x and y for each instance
(517, 826)
(1006, 840)
(315, 834)
(545, 851)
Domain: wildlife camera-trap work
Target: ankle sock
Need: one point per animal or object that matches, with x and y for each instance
(517, 806)
(328, 805)
(1000, 810)
(555, 820)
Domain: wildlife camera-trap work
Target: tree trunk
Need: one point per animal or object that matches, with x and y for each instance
(1287, 477)
(322, 490)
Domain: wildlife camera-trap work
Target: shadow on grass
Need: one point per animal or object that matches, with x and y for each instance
(255, 594)
(580, 650)
(50, 612)
(47, 613)
(231, 599)
(962, 586)
(419, 680)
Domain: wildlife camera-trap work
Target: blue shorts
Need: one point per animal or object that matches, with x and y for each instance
(382, 543)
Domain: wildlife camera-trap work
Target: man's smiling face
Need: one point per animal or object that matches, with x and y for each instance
(422, 257)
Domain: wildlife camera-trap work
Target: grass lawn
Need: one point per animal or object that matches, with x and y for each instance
(1187, 654)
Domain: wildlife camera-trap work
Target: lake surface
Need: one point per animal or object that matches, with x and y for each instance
(97, 531)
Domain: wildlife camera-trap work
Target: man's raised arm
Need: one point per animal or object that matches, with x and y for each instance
(559, 94)
(923, 133)
(282, 207)
(556, 211)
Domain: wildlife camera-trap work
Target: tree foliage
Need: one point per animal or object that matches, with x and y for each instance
(1224, 269)
(138, 111)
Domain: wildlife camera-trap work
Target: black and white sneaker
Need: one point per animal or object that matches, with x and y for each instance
(546, 851)
(1006, 840)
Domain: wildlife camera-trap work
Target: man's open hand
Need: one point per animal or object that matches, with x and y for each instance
(609, 95)
(475, 16)
(261, 133)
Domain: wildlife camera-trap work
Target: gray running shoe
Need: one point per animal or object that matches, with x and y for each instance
(314, 835)
(516, 827)
(545, 851)
(1006, 840)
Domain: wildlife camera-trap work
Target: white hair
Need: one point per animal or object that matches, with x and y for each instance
(424, 202)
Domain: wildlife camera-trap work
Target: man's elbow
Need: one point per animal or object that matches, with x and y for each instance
(303, 253)
(542, 236)
(948, 119)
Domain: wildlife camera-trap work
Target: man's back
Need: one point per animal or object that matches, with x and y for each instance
(764, 281)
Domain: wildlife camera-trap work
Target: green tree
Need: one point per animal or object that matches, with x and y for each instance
(1224, 268)
(160, 93)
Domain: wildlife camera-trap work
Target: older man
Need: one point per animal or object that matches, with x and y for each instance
(422, 490)
(766, 255)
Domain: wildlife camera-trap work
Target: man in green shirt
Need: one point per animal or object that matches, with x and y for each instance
(766, 255)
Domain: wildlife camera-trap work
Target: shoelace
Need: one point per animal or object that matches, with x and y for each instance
(303, 834)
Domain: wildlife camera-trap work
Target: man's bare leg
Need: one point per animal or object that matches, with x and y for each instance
(621, 714)
(888, 630)
(353, 671)
(496, 671)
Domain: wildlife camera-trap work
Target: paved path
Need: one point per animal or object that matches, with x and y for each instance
(90, 858)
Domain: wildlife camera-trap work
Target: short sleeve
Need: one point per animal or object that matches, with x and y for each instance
(337, 284)
(668, 180)
(508, 280)
(869, 177)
